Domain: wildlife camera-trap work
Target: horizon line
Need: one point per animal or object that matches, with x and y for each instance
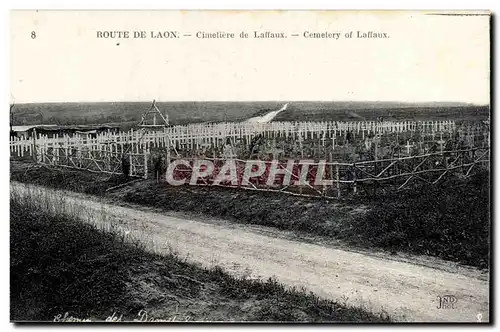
(256, 101)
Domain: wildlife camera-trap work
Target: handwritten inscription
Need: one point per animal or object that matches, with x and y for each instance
(67, 318)
(142, 317)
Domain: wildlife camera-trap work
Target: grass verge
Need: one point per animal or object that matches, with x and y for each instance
(64, 267)
(450, 220)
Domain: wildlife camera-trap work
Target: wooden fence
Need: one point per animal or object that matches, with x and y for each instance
(95, 160)
(340, 179)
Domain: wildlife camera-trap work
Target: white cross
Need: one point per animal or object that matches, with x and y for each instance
(275, 152)
(228, 152)
(323, 138)
(441, 142)
(408, 146)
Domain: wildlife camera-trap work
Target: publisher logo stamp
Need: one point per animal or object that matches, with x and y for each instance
(447, 302)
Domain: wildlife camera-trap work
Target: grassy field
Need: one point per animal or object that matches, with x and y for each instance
(65, 269)
(179, 113)
(450, 220)
(129, 113)
(387, 111)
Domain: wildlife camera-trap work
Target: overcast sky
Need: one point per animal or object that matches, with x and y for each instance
(426, 58)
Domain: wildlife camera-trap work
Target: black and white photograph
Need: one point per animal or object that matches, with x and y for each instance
(279, 166)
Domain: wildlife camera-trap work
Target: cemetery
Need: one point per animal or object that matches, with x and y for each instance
(354, 156)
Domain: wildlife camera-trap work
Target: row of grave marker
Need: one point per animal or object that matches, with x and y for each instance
(196, 136)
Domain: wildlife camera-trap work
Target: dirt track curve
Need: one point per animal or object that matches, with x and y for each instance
(406, 291)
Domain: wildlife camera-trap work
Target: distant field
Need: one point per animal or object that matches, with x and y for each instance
(178, 112)
(355, 111)
(129, 113)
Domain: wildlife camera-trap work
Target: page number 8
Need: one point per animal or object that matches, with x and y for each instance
(33, 34)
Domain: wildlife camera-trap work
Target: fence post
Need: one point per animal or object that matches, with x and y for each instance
(146, 164)
(338, 180)
(168, 154)
(34, 145)
(355, 189)
(131, 165)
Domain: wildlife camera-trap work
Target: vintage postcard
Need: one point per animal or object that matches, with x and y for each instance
(250, 166)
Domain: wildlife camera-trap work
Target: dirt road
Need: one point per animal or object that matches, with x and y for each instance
(407, 292)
